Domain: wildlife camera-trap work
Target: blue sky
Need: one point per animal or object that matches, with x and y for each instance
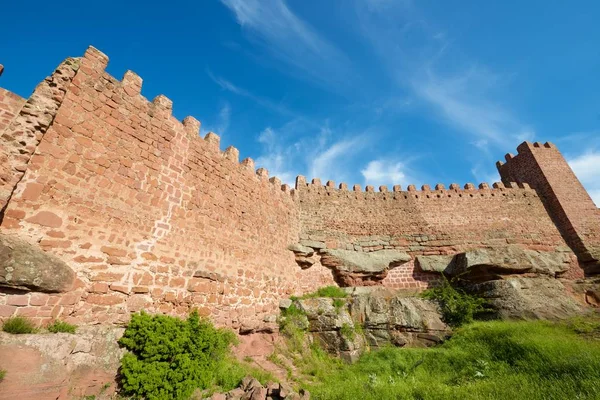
(377, 92)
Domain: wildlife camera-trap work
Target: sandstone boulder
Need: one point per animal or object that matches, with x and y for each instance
(435, 263)
(527, 298)
(398, 320)
(490, 264)
(372, 317)
(26, 267)
(353, 268)
(62, 365)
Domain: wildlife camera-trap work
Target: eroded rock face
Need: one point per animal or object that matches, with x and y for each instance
(26, 267)
(60, 366)
(373, 318)
(489, 264)
(354, 268)
(528, 298)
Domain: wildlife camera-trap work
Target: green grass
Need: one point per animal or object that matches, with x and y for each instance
(483, 360)
(18, 325)
(2, 374)
(333, 292)
(61, 326)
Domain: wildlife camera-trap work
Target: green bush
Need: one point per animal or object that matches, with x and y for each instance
(2, 374)
(457, 307)
(61, 326)
(169, 358)
(18, 325)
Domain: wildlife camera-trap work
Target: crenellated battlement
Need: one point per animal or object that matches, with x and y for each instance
(159, 111)
(440, 191)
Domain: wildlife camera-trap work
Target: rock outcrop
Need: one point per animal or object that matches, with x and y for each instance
(527, 298)
(372, 317)
(350, 268)
(24, 266)
(251, 389)
(487, 264)
(60, 366)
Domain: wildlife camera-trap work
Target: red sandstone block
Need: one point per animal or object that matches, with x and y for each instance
(46, 218)
(39, 299)
(27, 312)
(99, 287)
(70, 298)
(104, 299)
(177, 282)
(16, 214)
(7, 311)
(17, 300)
(32, 191)
(113, 251)
(52, 243)
(107, 277)
(119, 288)
(140, 289)
(84, 259)
(170, 297)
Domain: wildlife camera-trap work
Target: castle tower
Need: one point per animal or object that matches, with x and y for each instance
(571, 208)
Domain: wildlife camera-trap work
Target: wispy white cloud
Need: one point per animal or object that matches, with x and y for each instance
(332, 163)
(291, 39)
(275, 157)
(387, 172)
(461, 91)
(263, 102)
(587, 168)
(463, 103)
(224, 117)
(318, 153)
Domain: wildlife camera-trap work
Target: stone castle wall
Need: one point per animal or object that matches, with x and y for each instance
(568, 203)
(150, 215)
(435, 221)
(153, 217)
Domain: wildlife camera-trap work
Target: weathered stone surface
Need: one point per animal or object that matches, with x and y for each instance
(374, 317)
(406, 313)
(353, 268)
(323, 315)
(314, 244)
(285, 303)
(435, 263)
(527, 298)
(251, 389)
(60, 366)
(301, 250)
(489, 264)
(25, 266)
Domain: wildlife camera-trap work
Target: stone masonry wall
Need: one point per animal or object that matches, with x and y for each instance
(20, 133)
(430, 221)
(568, 203)
(10, 105)
(150, 215)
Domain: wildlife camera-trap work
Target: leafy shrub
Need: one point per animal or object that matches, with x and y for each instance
(2, 374)
(18, 325)
(61, 326)
(169, 358)
(458, 307)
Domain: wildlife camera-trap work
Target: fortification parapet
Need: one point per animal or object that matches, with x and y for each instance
(543, 168)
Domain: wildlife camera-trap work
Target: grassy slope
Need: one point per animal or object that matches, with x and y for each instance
(484, 360)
